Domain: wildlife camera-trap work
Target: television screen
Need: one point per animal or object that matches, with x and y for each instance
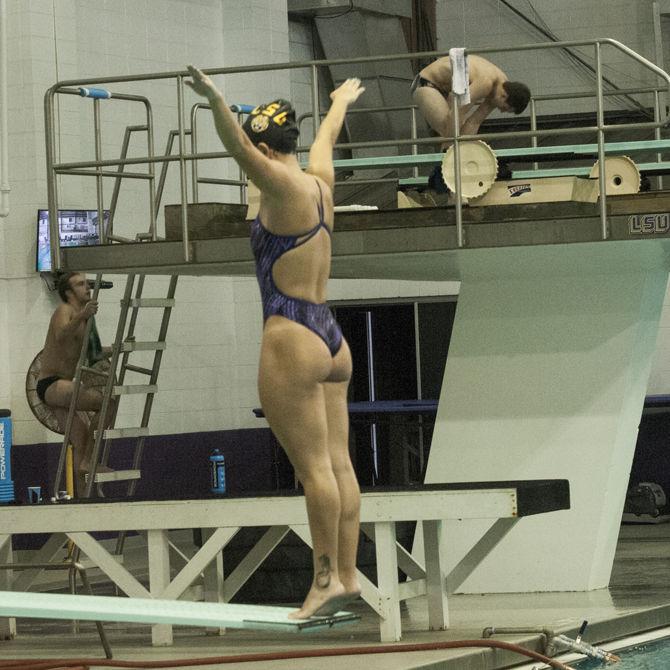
(77, 227)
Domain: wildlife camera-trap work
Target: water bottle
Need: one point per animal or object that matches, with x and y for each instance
(6, 483)
(218, 465)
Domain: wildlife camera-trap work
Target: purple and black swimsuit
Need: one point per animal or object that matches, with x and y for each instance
(268, 248)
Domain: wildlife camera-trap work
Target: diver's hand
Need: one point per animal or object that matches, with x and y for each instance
(202, 84)
(90, 308)
(348, 92)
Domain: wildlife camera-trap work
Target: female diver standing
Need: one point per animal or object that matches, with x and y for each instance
(305, 363)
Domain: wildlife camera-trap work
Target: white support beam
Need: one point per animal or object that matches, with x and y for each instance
(436, 586)
(249, 564)
(286, 511)
(7, 625)
(406, 562)
(213, 576)
(203, 557)
(387, 580)
(413, 589)
(24, 580)
(178, 557)
(109, 565)
(159, 579)
(478, 553)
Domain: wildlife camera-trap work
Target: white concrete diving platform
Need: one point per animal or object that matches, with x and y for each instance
(548, 363)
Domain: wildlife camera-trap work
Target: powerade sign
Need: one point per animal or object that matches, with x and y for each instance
(3, 452)
(6, 483)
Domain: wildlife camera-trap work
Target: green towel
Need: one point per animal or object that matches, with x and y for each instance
(94, 351)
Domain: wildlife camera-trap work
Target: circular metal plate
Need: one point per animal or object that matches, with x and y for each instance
(478, 168)
(43, 413)
(621, 175)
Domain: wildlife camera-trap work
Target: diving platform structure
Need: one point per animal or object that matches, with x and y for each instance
(503, 504)
(555, 328)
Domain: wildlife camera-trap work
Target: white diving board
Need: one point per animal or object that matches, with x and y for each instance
(155, 611)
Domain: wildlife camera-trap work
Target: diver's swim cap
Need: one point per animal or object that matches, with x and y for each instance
(274, 124)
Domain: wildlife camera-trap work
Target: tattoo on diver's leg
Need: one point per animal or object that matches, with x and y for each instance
(323, 575)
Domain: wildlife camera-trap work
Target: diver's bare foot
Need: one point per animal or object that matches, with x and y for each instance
(352, 587)
(320, 602)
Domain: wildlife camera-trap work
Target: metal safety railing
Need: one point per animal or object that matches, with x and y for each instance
(412, 109)
(599, 128)
(100, 168)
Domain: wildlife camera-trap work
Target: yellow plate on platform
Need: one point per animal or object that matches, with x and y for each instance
(479, 168)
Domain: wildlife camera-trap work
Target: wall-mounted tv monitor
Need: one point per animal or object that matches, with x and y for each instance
(77, 227)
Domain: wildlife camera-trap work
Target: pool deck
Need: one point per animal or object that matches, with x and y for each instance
(637, 600)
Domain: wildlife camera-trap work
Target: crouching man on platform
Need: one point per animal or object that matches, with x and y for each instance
(55, 386)
(489, 89)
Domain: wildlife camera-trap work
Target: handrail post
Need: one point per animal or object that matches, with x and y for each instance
(182, 168)
(533, 127)
(240, 172)
(117, 182)
(153, 214)
(457, 174)
(657, 131)
(602, 182)
(414, 133)
(98, 179)
(194, 150)
(316, 119)
(52, 186)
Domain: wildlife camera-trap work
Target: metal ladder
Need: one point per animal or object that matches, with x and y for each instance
(124, 345)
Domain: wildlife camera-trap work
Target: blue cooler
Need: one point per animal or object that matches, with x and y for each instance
(6, 483)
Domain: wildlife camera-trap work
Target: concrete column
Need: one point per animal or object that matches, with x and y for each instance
(546, 377)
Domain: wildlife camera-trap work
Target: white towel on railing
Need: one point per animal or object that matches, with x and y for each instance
(460, 79)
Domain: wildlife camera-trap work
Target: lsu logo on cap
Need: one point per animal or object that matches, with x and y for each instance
(262, 114)
(259, 123)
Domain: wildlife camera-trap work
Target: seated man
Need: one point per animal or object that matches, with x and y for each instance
(59, 362)
(489, 89)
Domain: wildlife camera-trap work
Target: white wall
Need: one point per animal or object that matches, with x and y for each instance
(490, 24)
(208, 377)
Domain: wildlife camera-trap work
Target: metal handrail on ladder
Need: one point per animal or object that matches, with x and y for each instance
(115, 386)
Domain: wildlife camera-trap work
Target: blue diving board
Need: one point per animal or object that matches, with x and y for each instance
(429, 406)
(157, 611)
(383, 407)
